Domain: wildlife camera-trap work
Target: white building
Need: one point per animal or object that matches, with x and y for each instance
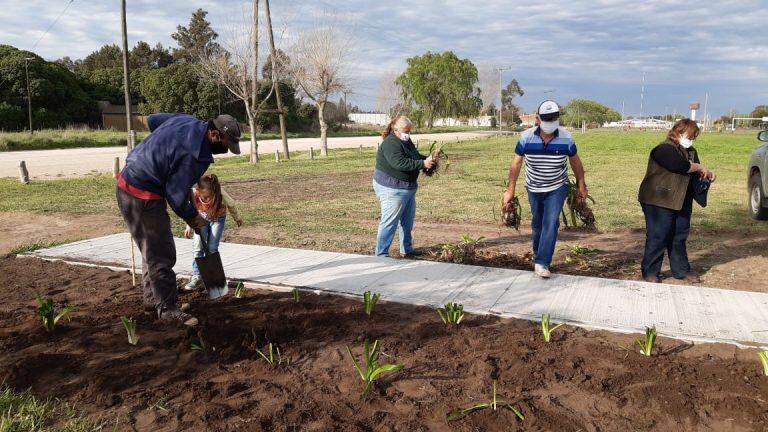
(648, 123)
(377, 119)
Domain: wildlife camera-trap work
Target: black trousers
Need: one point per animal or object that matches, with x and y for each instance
(150, 226)
(666, 230)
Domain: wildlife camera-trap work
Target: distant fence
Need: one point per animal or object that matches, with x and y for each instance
(117, 122)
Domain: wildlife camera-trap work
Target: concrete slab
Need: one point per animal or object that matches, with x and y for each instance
(685, 312)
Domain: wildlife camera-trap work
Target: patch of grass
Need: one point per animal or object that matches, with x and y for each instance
(31, 247)
(63, 138)
(468, 193)
(23, 412)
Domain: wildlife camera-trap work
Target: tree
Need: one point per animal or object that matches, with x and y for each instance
(283, 63)
(237, 70)
(57, 96)
(196, 41)
(510, 113)
(68, 63)
(161, 56)
(141, 56)
(584, 110)
(320, 68)
(760, 111)
(389, 99)
(106, 57)
(177, 88)
(442, 85)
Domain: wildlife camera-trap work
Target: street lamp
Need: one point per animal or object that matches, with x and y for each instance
(29, 94)
(501, 98)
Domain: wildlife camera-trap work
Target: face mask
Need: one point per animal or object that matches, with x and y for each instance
(685, 142)
(405, 136)
(550, 126)
(218, 147)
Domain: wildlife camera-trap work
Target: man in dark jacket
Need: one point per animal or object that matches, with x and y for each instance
(162, 169)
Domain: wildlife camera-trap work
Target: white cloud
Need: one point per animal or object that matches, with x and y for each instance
(581, 48)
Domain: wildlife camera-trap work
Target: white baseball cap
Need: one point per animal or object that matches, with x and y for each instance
(548, 111)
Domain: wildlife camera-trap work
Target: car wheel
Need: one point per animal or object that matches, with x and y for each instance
(756, 198)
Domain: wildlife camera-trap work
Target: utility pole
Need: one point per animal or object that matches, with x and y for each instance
(346, 115)
(642, 95)
(126, 79)
(29, 93)
(501, 89)
(276, 83)
(706, 114)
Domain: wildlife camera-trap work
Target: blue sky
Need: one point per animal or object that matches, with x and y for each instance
(580, 49)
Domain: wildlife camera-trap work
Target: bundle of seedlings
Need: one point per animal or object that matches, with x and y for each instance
(511, 214)
(578, 207)
(439, 157)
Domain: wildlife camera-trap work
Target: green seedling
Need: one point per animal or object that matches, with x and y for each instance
(372, 368)
(296, 295)
(369, 301)
(130, 328)
(462, 252)
(546, 330)
(452, 313)
(270, 356)
(239, 290)
(198, 346)
(48, 313)
(764, 360)
(494, 404)
(582, 250)
(650, 337)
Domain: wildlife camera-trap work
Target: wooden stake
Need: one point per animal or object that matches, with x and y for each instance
(133, 265)
(311, 153)
(116, 167)
(361, 149)
(277, 155)
(23, 173)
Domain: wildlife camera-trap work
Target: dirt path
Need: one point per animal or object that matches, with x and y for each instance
(580, 381)
(48, 164)
(23, 229)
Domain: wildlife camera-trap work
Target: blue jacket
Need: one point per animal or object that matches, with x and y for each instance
(171, 160)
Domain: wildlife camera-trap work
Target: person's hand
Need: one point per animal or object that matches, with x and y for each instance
(188, 231)
(197, 223)
(509, 195)
(429, 164)
(712, 176)
(582, 192)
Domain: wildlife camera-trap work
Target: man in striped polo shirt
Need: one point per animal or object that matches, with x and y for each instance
(545, 148)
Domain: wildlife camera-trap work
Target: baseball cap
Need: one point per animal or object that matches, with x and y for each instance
(548, 111)
(228, 125)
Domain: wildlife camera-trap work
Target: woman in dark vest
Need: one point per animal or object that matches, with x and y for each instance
(398, 164)
(666, 196)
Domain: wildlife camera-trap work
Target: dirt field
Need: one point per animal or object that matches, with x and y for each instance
(582, 380)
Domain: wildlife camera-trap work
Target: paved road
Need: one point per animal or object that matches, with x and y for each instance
(50, 164)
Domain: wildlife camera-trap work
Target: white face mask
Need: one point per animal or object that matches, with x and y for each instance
(549, 126)
(405, 136)
(685, 142)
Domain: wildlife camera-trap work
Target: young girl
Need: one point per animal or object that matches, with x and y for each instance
(212, 203)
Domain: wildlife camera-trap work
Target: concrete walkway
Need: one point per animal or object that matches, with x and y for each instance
(683, 312)
(51, 164)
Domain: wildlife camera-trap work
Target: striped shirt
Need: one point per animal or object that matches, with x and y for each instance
(546, 166)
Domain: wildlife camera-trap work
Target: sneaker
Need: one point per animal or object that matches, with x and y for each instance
(541, 271)
(176, 315)
(150, 308)
(195, 284)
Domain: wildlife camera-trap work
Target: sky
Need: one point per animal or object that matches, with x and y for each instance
(598, 49)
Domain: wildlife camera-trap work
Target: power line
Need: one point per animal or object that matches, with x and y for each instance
(52, 24)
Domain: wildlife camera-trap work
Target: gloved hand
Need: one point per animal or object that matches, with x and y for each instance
(197, 223)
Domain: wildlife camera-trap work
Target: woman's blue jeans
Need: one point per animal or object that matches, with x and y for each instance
(545, 221)
(666, 230)
(398, 207)
(212, 233)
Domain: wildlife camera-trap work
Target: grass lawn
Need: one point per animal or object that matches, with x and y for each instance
(333, 195)
(24, 412)
(78, 138)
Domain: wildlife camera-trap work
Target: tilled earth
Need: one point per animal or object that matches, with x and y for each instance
(581, 381)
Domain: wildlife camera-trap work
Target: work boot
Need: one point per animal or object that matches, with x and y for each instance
(652, 279)
(195, 284)
(692, 277)
(151, 308)
(176, 315)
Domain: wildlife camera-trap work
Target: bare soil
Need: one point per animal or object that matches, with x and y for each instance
(23, 228)
(582, 380)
